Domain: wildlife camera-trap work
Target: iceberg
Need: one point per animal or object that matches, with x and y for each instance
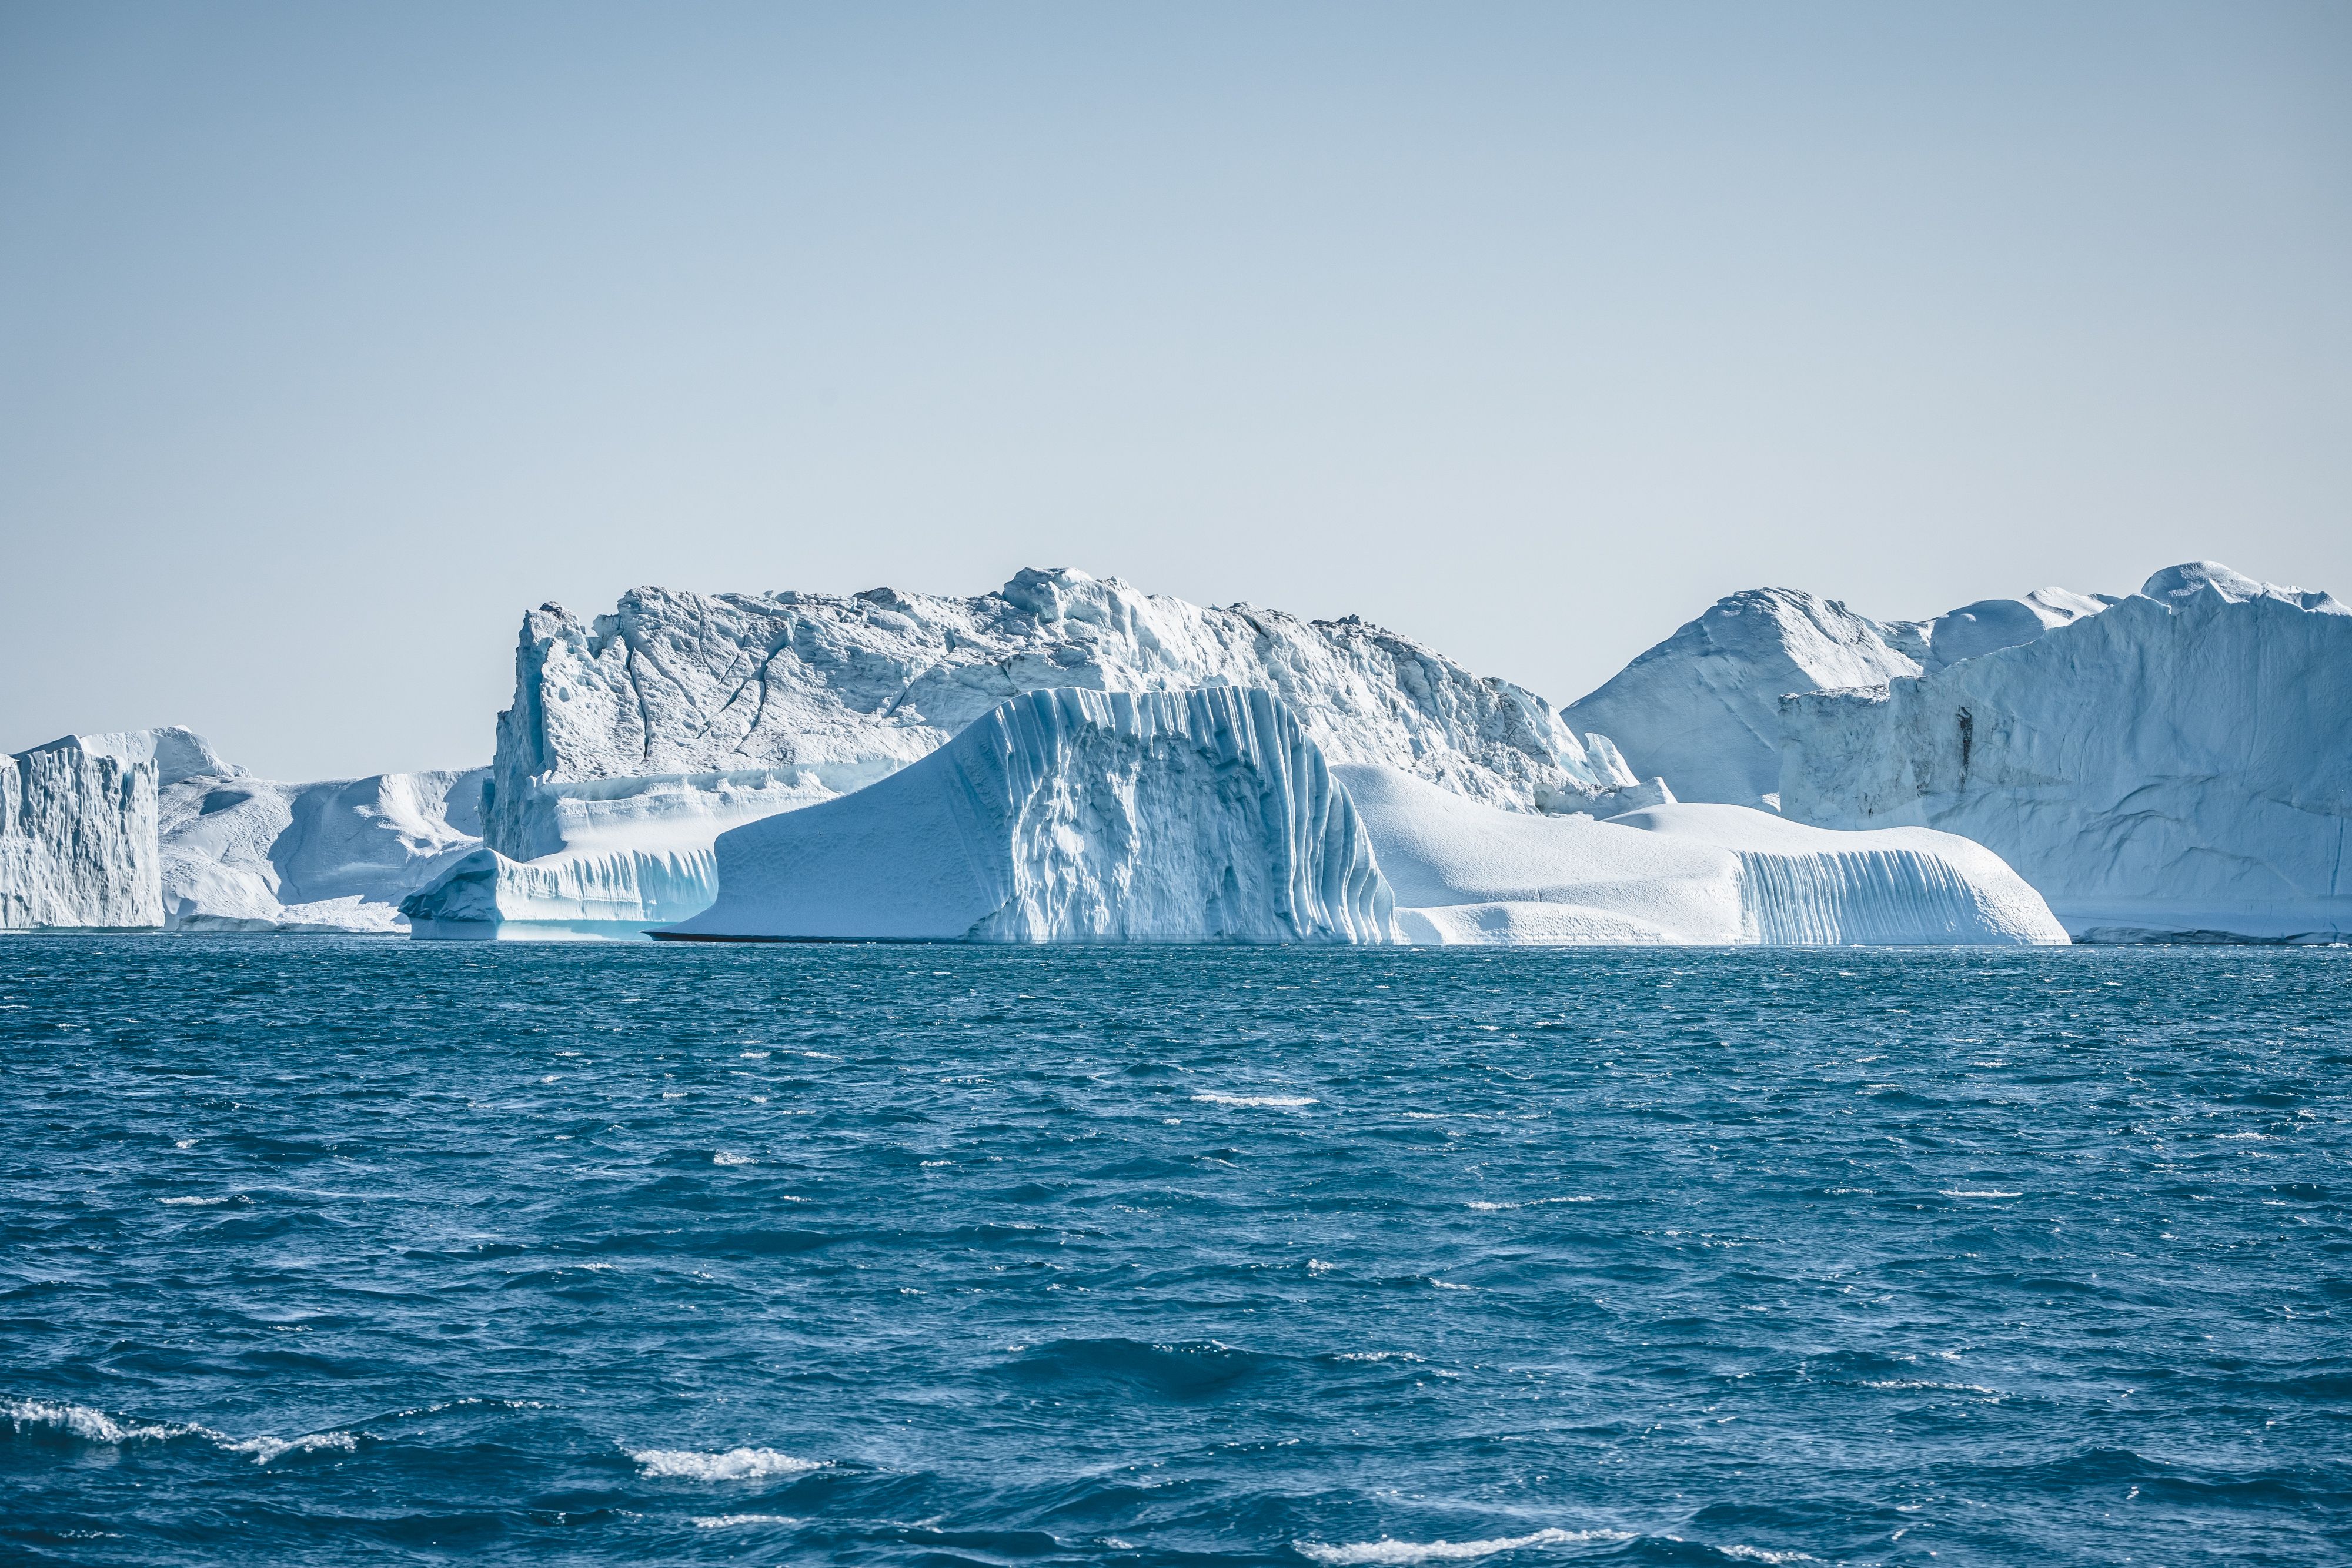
(1702, 708)
(1071, 815)
(78, 847)
(2172, 767)
(1464, 873)
(636, 740)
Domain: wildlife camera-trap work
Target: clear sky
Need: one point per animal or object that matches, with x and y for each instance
(332, 336)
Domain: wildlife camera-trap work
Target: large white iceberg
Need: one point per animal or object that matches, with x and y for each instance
(1464, 873)
(2174, 767)
(1702, 708)
(635, 741)
(77, 843)
(1072, 816)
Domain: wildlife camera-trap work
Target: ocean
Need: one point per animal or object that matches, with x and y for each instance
(350, 1251)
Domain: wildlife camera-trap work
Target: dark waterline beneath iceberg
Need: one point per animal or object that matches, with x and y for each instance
(316, 1251)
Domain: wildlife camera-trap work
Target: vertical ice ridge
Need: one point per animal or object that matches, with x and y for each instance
(77, 837)
(1075, 815)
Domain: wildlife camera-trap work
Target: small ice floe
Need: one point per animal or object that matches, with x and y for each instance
(732, 1465)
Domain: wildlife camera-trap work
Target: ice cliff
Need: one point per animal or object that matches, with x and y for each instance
(1073, 815)
(77, 846)
(1462, 873)
(1702, 708)
(2177, 765)
(738, 705)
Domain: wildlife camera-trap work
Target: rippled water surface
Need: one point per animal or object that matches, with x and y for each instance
(348, 1251)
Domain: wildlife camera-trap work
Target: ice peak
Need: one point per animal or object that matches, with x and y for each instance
(177, 751)
(1061, 592)
(2176, 584)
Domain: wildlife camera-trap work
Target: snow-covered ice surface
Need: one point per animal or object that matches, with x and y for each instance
(241, 853)
(736, 706)
(2174, 767)
(1707, 874)
(78, 836)
(1071, 815)
(1702, 708)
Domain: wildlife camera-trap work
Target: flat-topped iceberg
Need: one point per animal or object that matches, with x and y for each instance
(1072, 816)
(1462, 873)
(2172, 767)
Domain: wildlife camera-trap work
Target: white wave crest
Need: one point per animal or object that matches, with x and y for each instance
(1527, 1203)
(90, 1426)
(1385, 1550)
(725, 1158)
(1978, 1192)
(98, 1427)
(1279, 1102)
(730, 1521)
(734, 1465)
(266, 1449)
(192, 1202)
(1760, 1554)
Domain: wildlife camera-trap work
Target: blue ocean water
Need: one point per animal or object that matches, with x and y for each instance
(320, 1252)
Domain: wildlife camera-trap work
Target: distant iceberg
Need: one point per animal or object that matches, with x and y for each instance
(2174, 767)
(150, 828)
(1702, 708)
(1073, 816)
(246, 855)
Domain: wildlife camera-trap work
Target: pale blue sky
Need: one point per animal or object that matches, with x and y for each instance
(332, 336)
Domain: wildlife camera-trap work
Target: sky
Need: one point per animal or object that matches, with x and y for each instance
(334, 338)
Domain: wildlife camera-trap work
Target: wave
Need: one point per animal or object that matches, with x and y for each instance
(98, 1427)
(730, 1521)
(1276, 1102)
(90, 1426)
(732, 1465)
(1387, 1550)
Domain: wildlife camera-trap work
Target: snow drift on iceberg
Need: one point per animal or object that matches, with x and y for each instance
(78, 836)
(1705, 874)
(1069, 815)
(2172, 767)
(242, 853)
